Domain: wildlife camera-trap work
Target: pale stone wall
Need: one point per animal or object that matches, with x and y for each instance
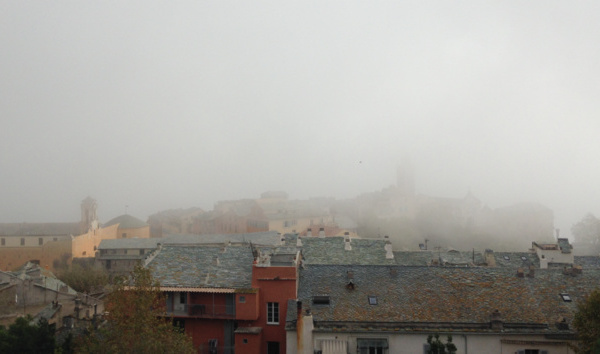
(298, 224)
(30, 240)
(12, 258)
(85, 245)
(414, 343)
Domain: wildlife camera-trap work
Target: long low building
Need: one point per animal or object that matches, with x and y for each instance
(393, 309)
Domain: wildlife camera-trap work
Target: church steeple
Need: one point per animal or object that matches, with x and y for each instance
(405, 178)
(89, 219)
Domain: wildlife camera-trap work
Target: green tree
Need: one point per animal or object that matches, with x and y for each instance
(587, 230)
(84, 279)
(587, 324)
(24, 337)
(436, 346)
(136, 322)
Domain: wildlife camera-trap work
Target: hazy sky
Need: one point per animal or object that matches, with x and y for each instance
(179, 104)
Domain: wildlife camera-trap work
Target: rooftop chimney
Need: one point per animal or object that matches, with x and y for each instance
(388, 250)
(299, 242)
(309, 232)
(347, 245)
(531, 273)
(520, 273)
(322, 232)
(299, 328)
(496, 321)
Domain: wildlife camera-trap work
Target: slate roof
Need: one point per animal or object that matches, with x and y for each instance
(269, 238)
(39, 229)
(413, 258)
(196, 266)
(516, 259)
(130, 243)
(587, 262)
(331, 250)
(421, 298)
(126, 222)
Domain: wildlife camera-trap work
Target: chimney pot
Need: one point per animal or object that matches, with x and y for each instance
(496, 321)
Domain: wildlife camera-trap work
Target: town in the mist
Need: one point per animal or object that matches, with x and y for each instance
(388, 271)
(359, 177)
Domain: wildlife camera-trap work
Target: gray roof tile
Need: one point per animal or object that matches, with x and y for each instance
(196, 266)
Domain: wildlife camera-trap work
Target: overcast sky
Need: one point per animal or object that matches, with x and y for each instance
(179, 104)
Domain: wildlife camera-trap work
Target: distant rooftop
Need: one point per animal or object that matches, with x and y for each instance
(126, 222)
(332, 250)
(409, 298)
(203, 266)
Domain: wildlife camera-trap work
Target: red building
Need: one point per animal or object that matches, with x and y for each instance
(229, 299)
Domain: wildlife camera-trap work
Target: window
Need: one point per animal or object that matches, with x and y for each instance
(272, 347)
(272, 313)
(124, 235)
(182, 298)
(40, 241)
(22, 242)
(242, 299)
(55, 239)
(372, 300)
(372, 346)
(3, 242)
(320, 300)
(531, 351)
(141, 252)
(245, 340)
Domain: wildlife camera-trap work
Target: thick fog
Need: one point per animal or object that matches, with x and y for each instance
(158, 105)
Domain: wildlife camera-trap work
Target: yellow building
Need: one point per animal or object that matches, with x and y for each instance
(124, 226)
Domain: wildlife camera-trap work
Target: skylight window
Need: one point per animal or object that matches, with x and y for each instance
(523, 258)
(320, 300)
(506, 258)
(372, 300)
(566, 297)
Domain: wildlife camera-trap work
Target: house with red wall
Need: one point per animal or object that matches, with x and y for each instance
(229, 298)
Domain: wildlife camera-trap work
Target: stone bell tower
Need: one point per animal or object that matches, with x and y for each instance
(89, 219)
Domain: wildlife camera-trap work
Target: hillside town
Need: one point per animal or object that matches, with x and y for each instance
(276, 276)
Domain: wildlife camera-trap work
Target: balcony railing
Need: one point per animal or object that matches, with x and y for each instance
(206, 349)
(201, 311)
